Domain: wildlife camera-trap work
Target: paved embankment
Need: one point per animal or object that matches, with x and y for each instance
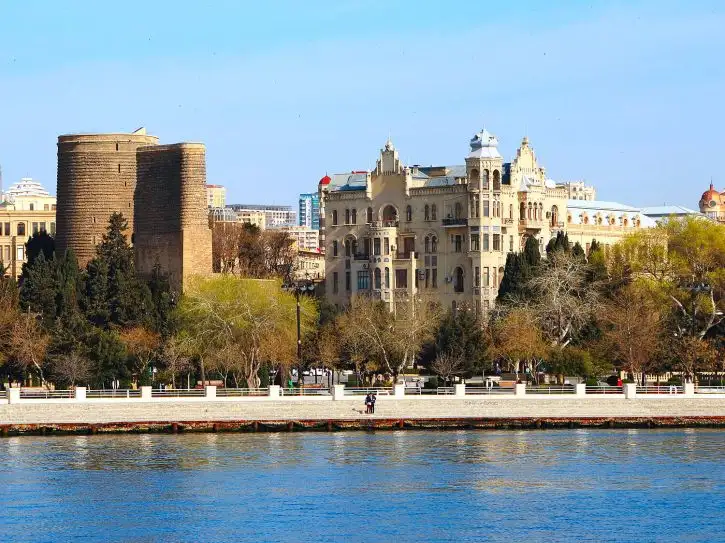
(441, 412)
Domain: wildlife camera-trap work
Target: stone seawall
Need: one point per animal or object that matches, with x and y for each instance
(230, 415)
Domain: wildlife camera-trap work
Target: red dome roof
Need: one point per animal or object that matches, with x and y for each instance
(710, 195)
(325, 180)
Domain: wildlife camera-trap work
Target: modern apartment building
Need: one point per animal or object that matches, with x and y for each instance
(309, 212)
(305, 238)
(274, 216)
(446, 230)
(216, 196)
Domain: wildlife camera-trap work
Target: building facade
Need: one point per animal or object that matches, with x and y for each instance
(216, 196)
(274, 216)
(445, 231)
(26, 208)
(578, 190)
(309, 212)
(712, 204)
(306, 239)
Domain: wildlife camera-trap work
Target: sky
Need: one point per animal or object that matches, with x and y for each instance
(625, 95)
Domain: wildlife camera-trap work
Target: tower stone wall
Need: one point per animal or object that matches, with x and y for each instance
(171, 227)
(96, 177)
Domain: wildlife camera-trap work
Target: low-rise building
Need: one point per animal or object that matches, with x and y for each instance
(666, 211)
(26, 208)
(310, 265)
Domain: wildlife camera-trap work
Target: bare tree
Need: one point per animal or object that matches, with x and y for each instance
(29, 344)
(448, 365)
(175, 358)
(517, 339)
(143, 345)
(71, 368)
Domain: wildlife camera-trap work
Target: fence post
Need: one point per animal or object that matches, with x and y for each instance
(146, 393)
(13, 395)
(460, 389)
(210, 391)
(273, 391)
(630, 390)
(80, 394)
(338, 392)
(520, 389)
(581, 389)
(399, 391)
(688, 389)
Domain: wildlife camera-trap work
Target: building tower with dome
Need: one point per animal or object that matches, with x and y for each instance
(712, 204)
(445, 231)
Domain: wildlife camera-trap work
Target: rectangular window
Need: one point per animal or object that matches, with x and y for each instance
(386, 245)
(348, 285)
(7, 228)
(474, 242)
(366, 245)
(458, 244)
(376, 246)
(485, 242)
(7, 254)
(511, 244)
(334, 283)
(46, 207)
(485, 208)
(363, 280)
(486, 277)
(427, 277)
(401, 278)
(476, 277)
(42, 227)
(20, 255)
(497, 242)
(35, 228)
(334, 248)
(434, 278)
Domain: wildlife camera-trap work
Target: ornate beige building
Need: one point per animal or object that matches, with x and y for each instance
(447, 230)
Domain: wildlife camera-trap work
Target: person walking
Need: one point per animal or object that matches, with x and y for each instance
(368, 404)
(373, 399)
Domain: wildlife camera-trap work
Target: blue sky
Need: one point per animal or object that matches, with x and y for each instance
(627, 95)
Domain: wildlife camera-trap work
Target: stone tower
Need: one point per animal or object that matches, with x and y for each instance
(96, 177)
(171, 228)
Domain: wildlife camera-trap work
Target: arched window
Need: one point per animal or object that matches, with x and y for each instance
(387, 277)
(474, 177)
(485, 180)
(370, 215)
(541, 211)
(21, 229)
(458, 280)
(354, 216)
(347, 216)
(334, 217)
(626, 221)
(377, 279)
(457, 210)
(434, 244)
(554, 215)
(522, 211)
(528, 215)
(408, 213)
(496, 180)
(334, 247)
(511, 211)
(427, 244)
(433, 212)
(390, 214)
(426, 212)
(500, 276)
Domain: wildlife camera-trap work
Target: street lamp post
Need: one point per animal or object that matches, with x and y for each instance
(299, 286)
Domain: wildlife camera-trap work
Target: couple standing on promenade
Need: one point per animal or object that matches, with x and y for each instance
(370, 400)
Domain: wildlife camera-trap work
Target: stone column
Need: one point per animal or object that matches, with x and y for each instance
(630, 390)
(273, 391)
(146, 393)
(399, 391)
(210, 391)
(338, 392)
(460, 389)
(520, 389)
(13, 395)
(581, 389)
(80, 394)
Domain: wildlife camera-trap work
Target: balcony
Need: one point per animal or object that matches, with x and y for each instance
(453, 222)
(534, 224)
(507, 221)
(385, 224)
(361, 256)
(404, 255)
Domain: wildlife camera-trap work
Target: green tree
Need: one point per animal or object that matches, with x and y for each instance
(461, 336)
(520, 269)
(39, 289)
(558, 243)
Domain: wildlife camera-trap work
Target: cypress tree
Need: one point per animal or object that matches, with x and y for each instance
(38, 289)
(578, 251)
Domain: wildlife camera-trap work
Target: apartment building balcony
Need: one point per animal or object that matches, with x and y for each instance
(532, 224)
(404, 255)
(452, 222)
(361, 256)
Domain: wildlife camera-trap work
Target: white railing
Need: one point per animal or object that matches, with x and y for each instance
(239, 392)
(113, 393)
(659, 389)
(37, 394)
(605, 390)
(359, 391)
(710, 390)
(487, 391)
(305, 391)
(556, 389)
(178, 393)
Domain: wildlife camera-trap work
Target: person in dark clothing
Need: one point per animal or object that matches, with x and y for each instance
(373, 399)
(368, 404)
